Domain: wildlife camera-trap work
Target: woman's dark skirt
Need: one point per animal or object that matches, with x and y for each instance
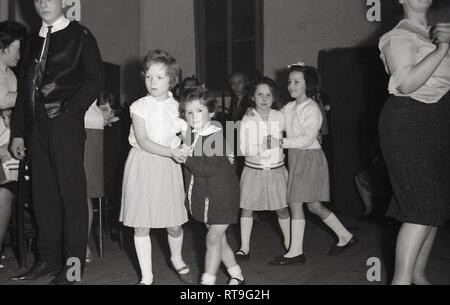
(415, 141)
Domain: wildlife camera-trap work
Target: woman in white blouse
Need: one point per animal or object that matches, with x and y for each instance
(11, 35)
(415, 135)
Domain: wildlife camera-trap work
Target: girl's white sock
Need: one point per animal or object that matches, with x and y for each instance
(208, 279)
(176, 245)
(246, 231)
(338, 228)
(297, 232)
(285, 225)
(143, 247)
(236, 272)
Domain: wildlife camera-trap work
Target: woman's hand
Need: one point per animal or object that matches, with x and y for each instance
(441, 33)
(179, 154)
(17, 148)
(441, 36)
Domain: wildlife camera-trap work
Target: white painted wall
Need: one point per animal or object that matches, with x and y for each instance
(3, 10)
(169, 25)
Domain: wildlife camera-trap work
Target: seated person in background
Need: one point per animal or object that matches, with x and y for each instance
(190, 82)
(93, 162)
(11, 36)
(115, 149)
(8, 175)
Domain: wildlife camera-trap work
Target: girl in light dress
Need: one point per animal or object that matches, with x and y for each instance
(153, 192)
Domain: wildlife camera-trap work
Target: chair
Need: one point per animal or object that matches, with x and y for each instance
(22, 243)
(102, 223)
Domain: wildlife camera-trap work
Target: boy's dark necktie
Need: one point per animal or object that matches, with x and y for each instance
(41, 64)
(39, 69)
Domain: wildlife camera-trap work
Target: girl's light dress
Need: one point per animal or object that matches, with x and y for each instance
(152, 191)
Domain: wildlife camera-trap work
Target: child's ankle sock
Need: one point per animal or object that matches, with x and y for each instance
(338, 228)
(176, 245)
(297, 233)
(208, 279)
(285, 225)
(144, 253)
(236, 272)
(246, 231)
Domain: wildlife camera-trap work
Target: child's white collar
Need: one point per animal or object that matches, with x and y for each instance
(208, 131)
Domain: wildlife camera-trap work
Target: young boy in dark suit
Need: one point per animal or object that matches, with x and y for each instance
(62, 75)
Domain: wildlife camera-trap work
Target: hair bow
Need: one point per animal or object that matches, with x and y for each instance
(301, 64)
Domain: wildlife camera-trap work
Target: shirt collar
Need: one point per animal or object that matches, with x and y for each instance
(170, 99)
(58, 25)
(417, 25)
(209, 130)
(3, 66)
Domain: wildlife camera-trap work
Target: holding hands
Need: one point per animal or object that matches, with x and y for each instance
(270, 142)
(180, 153)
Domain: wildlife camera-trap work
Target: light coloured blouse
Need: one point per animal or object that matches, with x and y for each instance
(93, 119)
(252, 132)
(412, 40)
(303, 124)
(162, 121)
(8, 87)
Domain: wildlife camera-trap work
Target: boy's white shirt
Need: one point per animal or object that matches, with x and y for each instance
(58, 25)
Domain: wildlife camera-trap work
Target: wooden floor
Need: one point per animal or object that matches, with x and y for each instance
(377, 240)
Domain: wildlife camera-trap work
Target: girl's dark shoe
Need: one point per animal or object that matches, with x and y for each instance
(185, 277)
(335, 250)
(242, 256)
(281, 260)
(238, 281)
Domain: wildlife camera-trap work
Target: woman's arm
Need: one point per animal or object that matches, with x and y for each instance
(7, 98)
(400, 58)
(150, 146)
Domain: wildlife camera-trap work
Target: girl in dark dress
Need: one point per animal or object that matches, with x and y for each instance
(414, 131)
(211, 183)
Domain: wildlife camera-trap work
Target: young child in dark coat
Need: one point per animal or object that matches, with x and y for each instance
(212, 185)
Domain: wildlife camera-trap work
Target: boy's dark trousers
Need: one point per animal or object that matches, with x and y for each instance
(59, 186)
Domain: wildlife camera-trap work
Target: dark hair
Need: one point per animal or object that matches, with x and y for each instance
(106, 97)
(199, 93)
(243, 75)
(273, 89)
(312, 78)
(192, 79)
(162, 57)
(11, 31)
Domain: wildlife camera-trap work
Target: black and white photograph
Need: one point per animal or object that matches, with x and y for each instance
(265, 144)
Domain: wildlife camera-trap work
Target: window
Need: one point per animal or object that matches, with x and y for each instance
(229, 38)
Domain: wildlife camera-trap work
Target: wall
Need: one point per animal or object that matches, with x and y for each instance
(169, 25)
(116, 26)
(298, 29)
(3, 10)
